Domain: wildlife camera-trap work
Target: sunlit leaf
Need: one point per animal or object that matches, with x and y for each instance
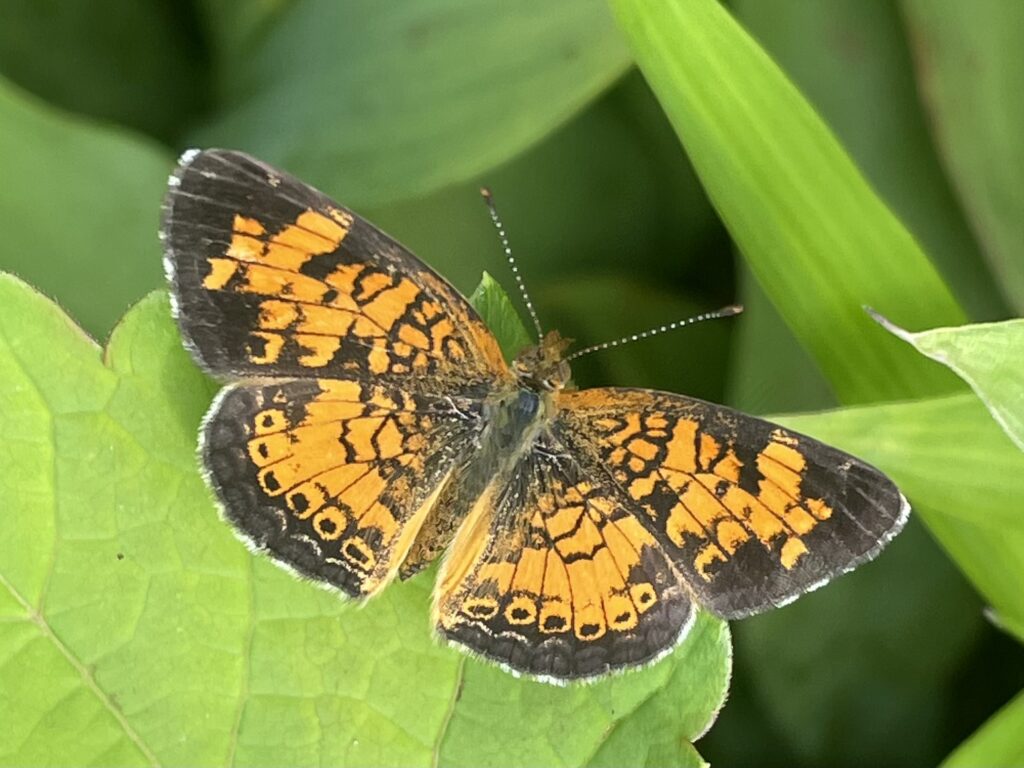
(988, 356)
(135, 628)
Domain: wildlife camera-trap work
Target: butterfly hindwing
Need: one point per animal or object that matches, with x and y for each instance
(552, 576)
(752, 515)
(334, 478)
(272, 278)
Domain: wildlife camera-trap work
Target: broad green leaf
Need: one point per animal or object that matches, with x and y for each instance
(970, 65)
(137, 630)
(962, 474)
(988, 356)
(850, 59)
(138, 63)
(79, 206)
(818, 239)
(233, 26)
(496, 309)
(382, 101)
(997, 742)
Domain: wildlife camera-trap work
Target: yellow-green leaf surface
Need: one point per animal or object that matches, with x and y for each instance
(382, 101)
(494, 305)
(136, 630)
(80, 204)
(997, 743)
(988, 356)
(817, 237)
(970, 66)
(962, 475)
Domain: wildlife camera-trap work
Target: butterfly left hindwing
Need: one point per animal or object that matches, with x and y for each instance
(334, 478)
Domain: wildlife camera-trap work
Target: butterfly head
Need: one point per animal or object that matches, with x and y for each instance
(544, 367)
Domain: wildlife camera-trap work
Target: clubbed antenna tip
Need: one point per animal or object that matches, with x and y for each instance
(729, 311)
(489, 200)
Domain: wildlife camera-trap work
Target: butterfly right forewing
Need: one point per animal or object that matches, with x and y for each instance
(752, 515)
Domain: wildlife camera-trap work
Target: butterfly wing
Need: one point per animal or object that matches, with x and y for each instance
(272, 278)
(334, 479)
(751, 515)
(551, 574)
(368, 369)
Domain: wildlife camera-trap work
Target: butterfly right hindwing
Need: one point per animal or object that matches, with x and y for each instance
(551, 574)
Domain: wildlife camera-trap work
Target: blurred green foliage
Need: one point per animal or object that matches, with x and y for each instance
(404, 109)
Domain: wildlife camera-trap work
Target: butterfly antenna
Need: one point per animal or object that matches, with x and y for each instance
(489, 200)
(732, 309)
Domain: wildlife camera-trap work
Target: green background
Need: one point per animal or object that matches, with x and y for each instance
(802, 157)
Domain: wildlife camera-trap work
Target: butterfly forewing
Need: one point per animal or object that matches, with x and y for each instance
(272, 278)
(752, 515)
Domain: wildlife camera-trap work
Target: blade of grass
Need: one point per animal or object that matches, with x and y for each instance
(850, 59)
(816, 236)
(970, 65)
(997, 742)
(988, 357)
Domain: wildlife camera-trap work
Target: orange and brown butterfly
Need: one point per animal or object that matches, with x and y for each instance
(373, 425)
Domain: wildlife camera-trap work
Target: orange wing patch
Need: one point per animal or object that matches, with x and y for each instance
(272, 277)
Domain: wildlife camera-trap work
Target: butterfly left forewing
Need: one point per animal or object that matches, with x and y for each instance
(751, 515)
(270, 277)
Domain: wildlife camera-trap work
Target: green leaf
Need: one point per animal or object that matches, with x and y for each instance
(997, 742)
(988, 356)
(79, 205)
(78, 55)
(818, 239)
(135, 629)
(496, 309)
(381, 101)
(970, 68)
(850, 59)
(963, 477)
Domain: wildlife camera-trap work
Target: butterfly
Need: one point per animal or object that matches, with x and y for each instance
(373, 424)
